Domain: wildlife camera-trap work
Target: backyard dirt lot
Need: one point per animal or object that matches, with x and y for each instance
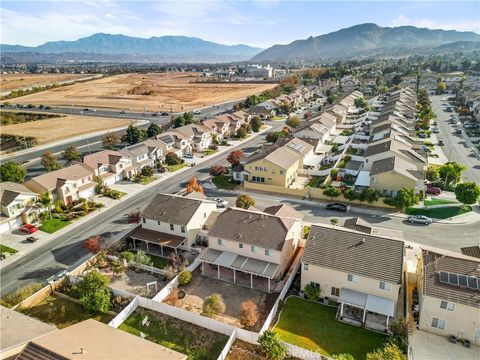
(154, 92)
(20, 81)
(56, 129)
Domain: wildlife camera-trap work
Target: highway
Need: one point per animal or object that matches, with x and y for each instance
(455, 148)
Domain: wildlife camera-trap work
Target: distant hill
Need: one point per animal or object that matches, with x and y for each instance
(164, 48)
(365, 40)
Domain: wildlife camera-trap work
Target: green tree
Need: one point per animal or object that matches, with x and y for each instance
(271, 346)
(11, 171)
(184, 277)
(432, 174)
(450, 173)
(293, 121)
(93, 292)
(467, 193)
(153, 130)
(370, 195)
(256, 124)
(134, 135)
(213, 304)
(405, 198)
(46, 200)
(244, 201)
(179, 122)
(441, 87)
(332, 192)
(241, 133)
(312, 291)
(401, 329)
(71, 153)
(140, 257)
(147, 171)
(350, 195)
(172, 159)
(50, 162)
(110, 141)
(388, 352)
(343, 357)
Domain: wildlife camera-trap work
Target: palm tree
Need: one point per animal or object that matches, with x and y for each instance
(46, 200)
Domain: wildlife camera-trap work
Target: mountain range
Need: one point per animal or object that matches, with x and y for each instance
(362, 40)
(128, 48)
(368, 40)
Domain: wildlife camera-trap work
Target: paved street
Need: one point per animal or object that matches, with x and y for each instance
(455, 148)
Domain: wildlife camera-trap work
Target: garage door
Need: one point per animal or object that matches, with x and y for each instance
(15, 223)
(4, 227)
(87, 193)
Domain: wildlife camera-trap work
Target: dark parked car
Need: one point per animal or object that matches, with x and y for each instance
(337, 207)
(164, 113)
(440, 143)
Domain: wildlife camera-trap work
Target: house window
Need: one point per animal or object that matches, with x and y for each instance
(385, 286)
(268, 252)
(438, 323)
(144, 220)
(172, 227)
(252, 248)
(281, 172)
(182, 229)
(352, 278)
(314, 284)
(240, 246)
(220, 242)
(305, 267)
(447, 305)
(335, 291)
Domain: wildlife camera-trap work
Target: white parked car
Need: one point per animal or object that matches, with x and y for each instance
(221, 203)
(419, 219)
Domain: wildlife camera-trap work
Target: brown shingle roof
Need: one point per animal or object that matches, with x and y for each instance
(9, 191)
(473, 251)
(50, 180)
(433, 263)
(251, 227)
(398, 165)
(356, 253)
(172, 209)
(104, 157)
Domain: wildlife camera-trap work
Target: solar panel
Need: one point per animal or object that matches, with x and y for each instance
(462, 280)
(453, 279)
(443, 277)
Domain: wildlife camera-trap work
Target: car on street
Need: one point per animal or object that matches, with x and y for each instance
(337, 207)
(85, 110)
(436, 130)
(221, 203)
(188, 156)
(164, 113)
(197, 112)
(440, 143)
(458, 131)
(422, 135)
(123, 112)
(28, 229)
(419, 219)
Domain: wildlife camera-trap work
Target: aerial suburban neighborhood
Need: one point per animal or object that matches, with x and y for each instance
(312, 195)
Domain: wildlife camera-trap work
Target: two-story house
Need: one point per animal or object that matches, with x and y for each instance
(218, 127)
(67, 184)
(140, 154)
(182, 143)
(156, 150)
(449, 295)
(18, 206)
(111, 166)
(362, 272)
(199, 135)
(251, 248)
(168, 145)
(171, 222)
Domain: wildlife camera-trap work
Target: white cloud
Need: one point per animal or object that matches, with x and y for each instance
(463, 25)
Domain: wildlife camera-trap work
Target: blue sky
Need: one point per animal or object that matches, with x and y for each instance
(256, 23)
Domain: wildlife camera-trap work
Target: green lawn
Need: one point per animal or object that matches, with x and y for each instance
(434, 201)
(224, 182)
(315, 181)
(194, 341)
(173, 168)
(313, 326)
(62, 312)
(208, 152)
(53, 224)
(157, 261)
(440, 213)
(144, 180)
(6, 249)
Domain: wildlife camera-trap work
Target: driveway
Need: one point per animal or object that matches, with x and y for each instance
(455, 147)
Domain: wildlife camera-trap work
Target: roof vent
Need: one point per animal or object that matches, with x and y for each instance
(363, 240)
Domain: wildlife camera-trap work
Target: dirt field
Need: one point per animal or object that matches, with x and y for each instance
(155, 92)
(62, 128)
(19, 81)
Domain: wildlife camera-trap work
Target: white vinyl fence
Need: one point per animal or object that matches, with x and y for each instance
(124, 314)
(223, 355)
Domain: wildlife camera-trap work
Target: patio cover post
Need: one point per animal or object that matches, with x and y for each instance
(234, 277)
(134, 246)
(364, 315)
(269, 285)
(161, 249)
(341, 309)
(388, 317)
(251, 280)
(202, 267)
(147, 246)
(218, 271)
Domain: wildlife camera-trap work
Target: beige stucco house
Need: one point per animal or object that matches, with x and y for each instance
(449, 295)
(111, 166)
(18, 206)
(362, 272)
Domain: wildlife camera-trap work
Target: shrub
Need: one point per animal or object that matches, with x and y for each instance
(92, 244)
(117, 267)
(293, 121)
(244, 201)
(271, 346)
(241, 133)
(147, 171)
(218, 170)
(248, 313)
(334, 221)
(213, 304)
(93, 292)
(350, 195)
(184, 277)
(332, 192)
(127, 256)
(134, 217)
(312, 291)
(142, 258)
(256, 124)
(172, 159)
(12, 299)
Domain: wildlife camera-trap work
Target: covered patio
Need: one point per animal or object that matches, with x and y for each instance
(239, 269)
(156, 241)
(369, 311)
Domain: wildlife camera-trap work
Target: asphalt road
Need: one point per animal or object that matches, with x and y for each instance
(455, 148)
(65, 250)
(446, 236)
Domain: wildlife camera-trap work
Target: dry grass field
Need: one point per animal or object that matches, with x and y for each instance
(155, 92)
(20, 81)
(49, 130)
